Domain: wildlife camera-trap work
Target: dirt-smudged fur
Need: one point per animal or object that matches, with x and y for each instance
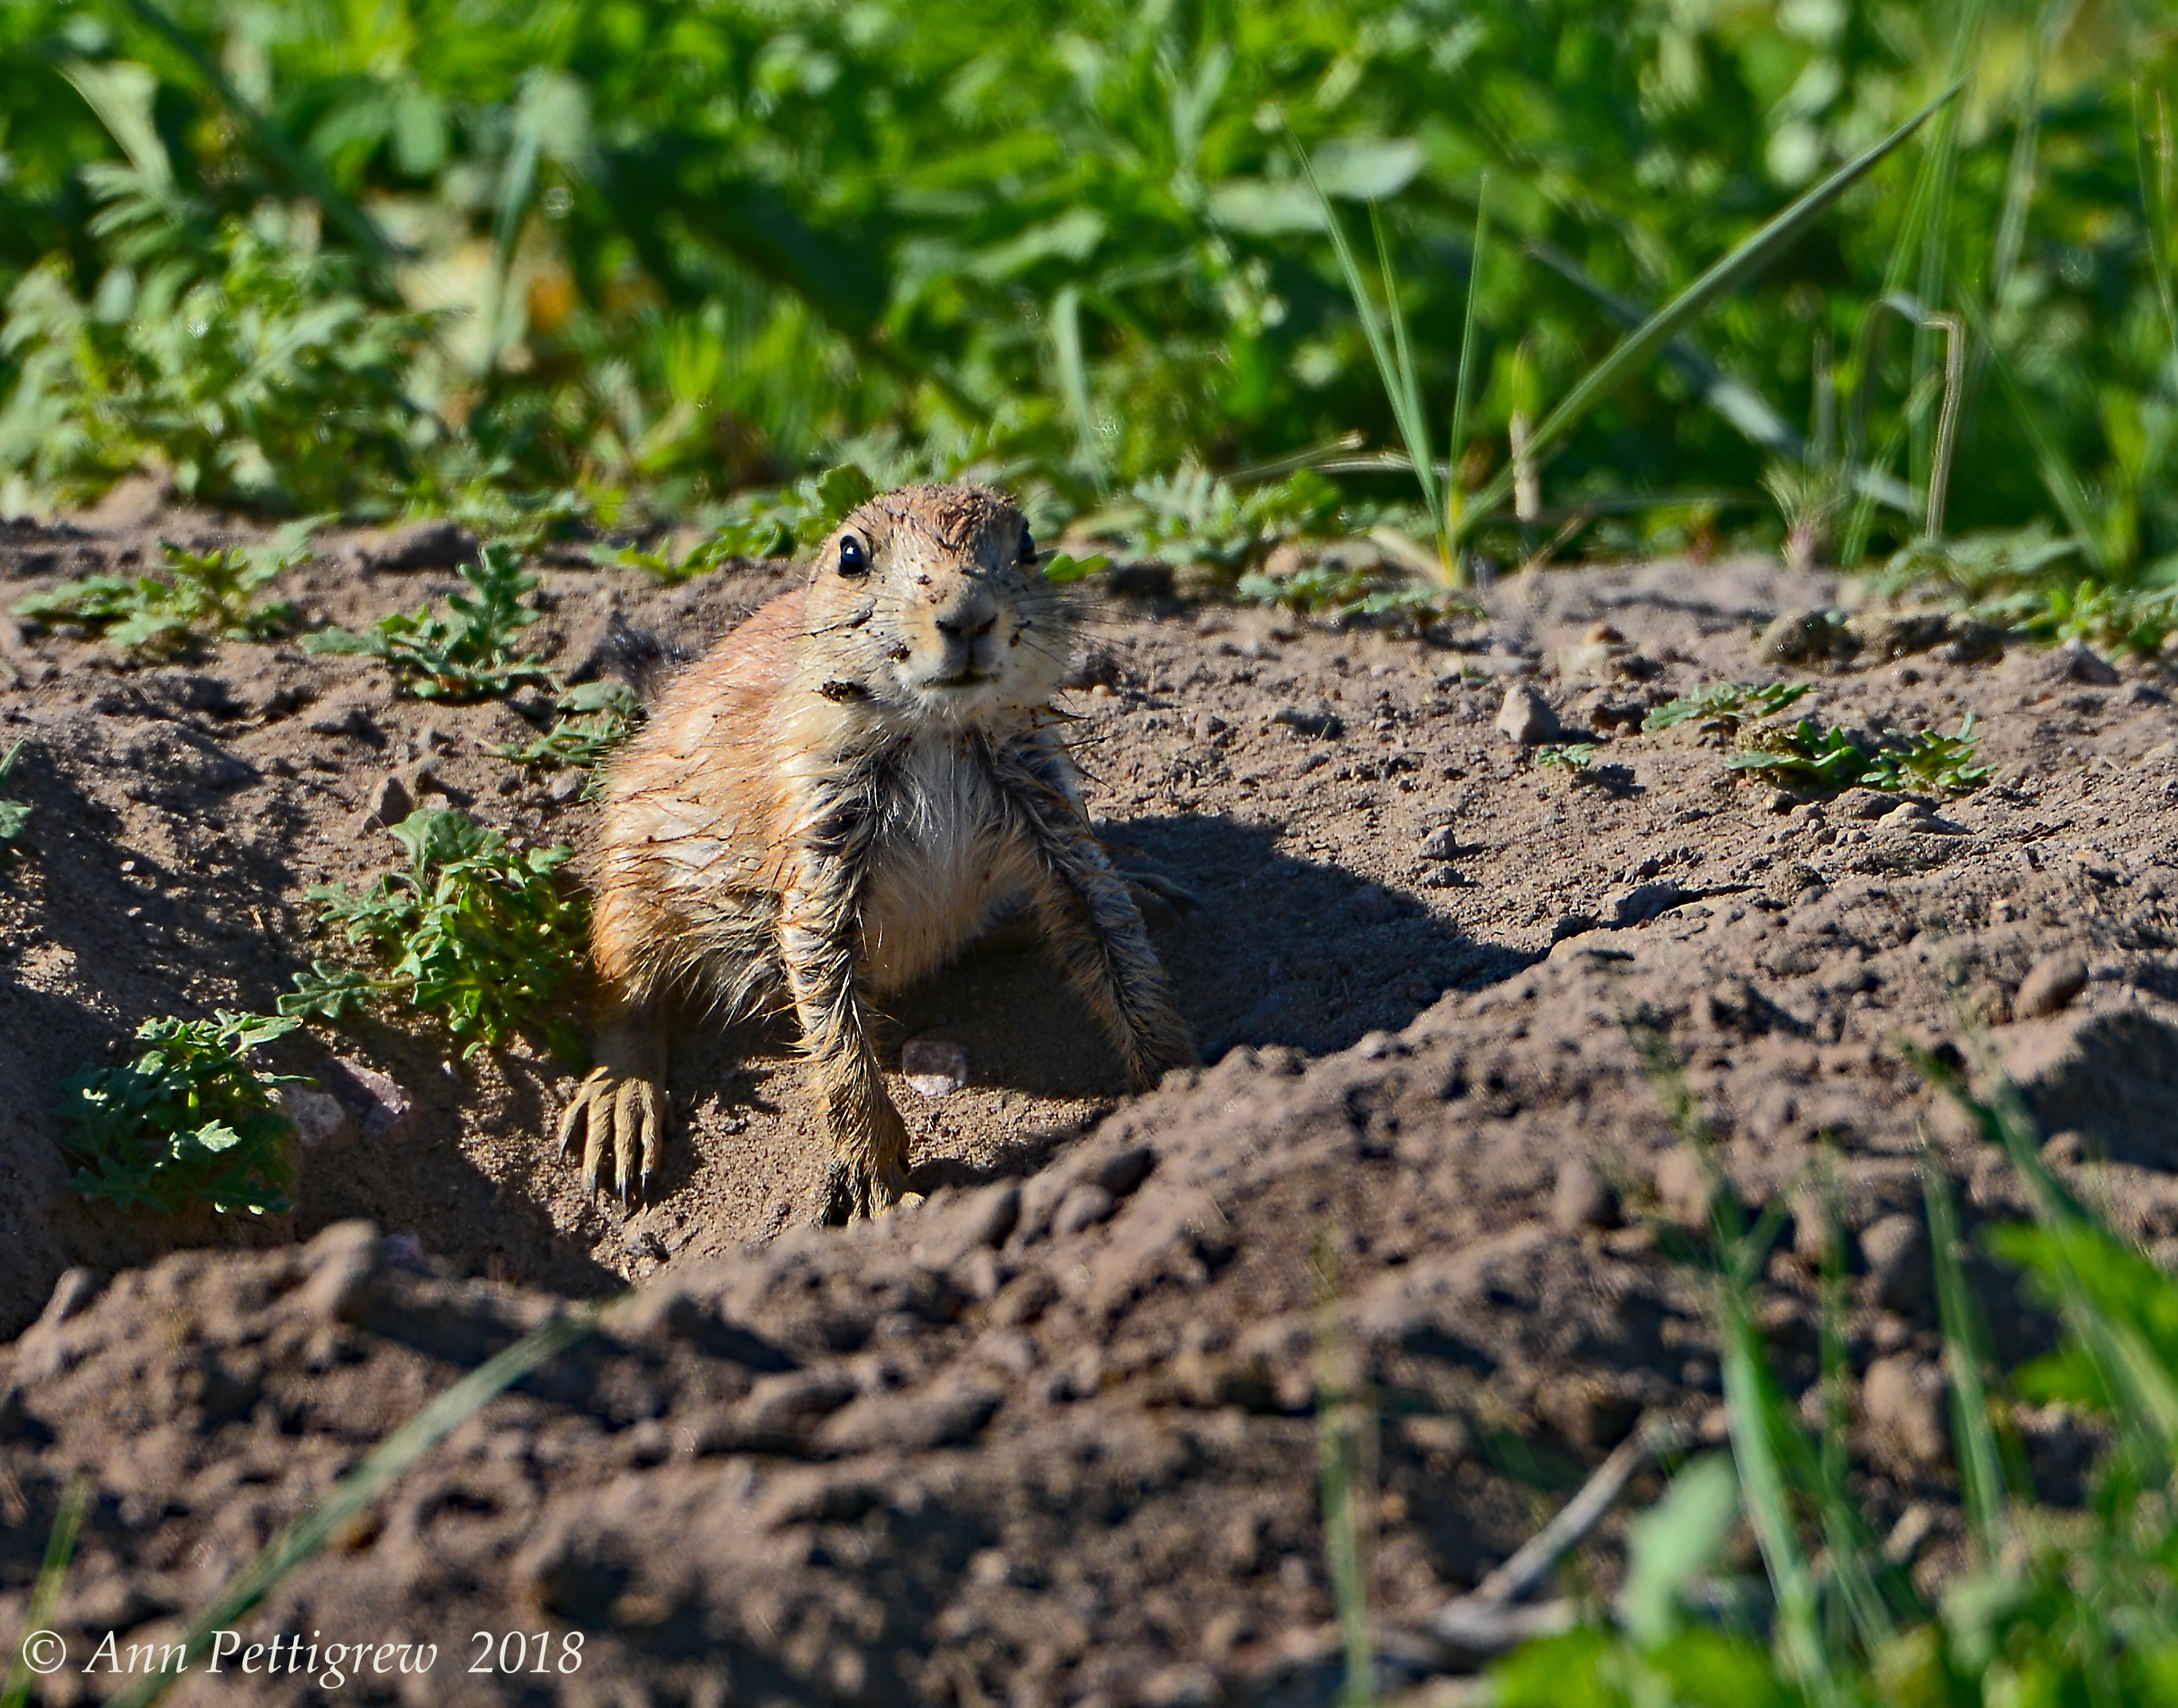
(834, 802)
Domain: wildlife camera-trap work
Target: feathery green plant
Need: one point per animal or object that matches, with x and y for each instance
(187, 1122)
(469, 655)
(474, 932)
(203, 596)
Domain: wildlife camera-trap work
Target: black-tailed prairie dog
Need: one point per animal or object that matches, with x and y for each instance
(837, 799)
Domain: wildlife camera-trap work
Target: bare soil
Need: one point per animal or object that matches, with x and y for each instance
(1050, 1437)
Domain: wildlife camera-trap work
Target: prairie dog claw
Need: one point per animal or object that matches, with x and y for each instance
(620, 1116)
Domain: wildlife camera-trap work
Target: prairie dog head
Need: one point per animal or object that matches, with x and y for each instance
(928, 603)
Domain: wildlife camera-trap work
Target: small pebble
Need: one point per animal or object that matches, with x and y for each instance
(936, 1067)
(2051, 986)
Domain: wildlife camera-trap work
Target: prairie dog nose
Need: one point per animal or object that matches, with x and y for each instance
(971, 615)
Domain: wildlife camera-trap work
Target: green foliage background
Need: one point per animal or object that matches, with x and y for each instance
(678, 249)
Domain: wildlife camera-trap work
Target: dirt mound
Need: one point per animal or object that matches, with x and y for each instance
(1051, 1436)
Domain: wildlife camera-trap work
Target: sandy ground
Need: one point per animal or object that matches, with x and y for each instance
(1050, 1437)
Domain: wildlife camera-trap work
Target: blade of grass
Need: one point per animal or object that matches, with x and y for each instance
(1343, 1476)
(1393, 373)
(1745, 261)
(2056, 469)
(1074, 381)
(1943, 161)
(1753, 1408)
(1463, 386)
(1981, 1472)
(45, 1593)
(2155, 198)
(302, 1540)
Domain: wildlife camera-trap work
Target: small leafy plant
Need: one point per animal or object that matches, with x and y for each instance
(1339, 593)
(1573, 759)
(1725, 706)
(256, 369)
(188, 1122)
(700, 559)
(469, 656)
(1805, 755)
(14, 815)
(594, 719)
(473, 932)
(1191, 516)
(203, 596)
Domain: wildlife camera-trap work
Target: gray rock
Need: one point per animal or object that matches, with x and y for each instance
(317, 1117)
(2051, 986)
(441, 544)
(1319, 721)
(1582, 1198)
(387, 804)
(1896, 1250)
(1526, 716)
(1806, 636)
(1440, 844)
(378, 1103)
(2075, 661)
(1903, 1401)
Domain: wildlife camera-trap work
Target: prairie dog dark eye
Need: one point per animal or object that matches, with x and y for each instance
(1028, 547)
(853, 560)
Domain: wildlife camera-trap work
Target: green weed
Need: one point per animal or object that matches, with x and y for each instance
(1192, 516)
(1574, 759)
(1367, 591)
(469, 655)
(203, 596)
(14, 815)
(187, 1122)
(1804, 755)
(254, 370)
(594, 719)
(2058, 1607)
(1725, 706)
(474, 932)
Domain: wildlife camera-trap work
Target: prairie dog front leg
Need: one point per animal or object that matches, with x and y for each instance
(819, 936)
(1090, 918)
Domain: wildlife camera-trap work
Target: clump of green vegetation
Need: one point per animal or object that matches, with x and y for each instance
(1806, 756)
(766, 523)
(474, 932)
(700, 559)
(469, 656)
(1725, 706)
(1191, 516)
(2057, 1606)
(188, 1122)
(594, 719)
(1574, 759)
(2025, 579)
(1340, 593)
(14, 815)
(203, 596)
(254, 370)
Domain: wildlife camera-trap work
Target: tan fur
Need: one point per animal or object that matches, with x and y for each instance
(836, 801)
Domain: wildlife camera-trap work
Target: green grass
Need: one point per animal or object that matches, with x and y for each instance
(603, 269)
(188, 1122)
(2057, 1606)
(472, 932)
(1725, 706)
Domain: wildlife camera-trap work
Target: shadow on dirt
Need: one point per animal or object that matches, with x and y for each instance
(1291, 951)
